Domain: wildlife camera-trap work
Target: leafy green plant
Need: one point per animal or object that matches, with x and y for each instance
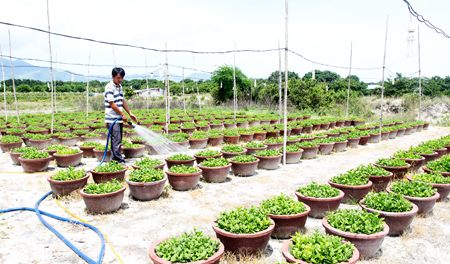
(433, 177)
(189, 247)
(27, 135)
(371, 170)
(93, 134)
(216, 122)
(318, 248)
(181, 169)
(104, 187)
(103, 147)
(69, 174)
(268, 153)
(433, 144)
(14, 130)
(212, 162)
(207, 153)
(188, 125)
(180, 156)
(198, 136)
(81, 131)
(146, 161)
(243, 220)
(146, 174)
(324, 140)
(306, 144)
(306, 136)
(38, 154)
(111, 166)
(352, 177)
(90, 144)
(274, 140)
(421, 150)
(290, 148)
(139, 139)
(401, 154)
(413, 188)
(318, 190)
(232, 149)
(10, 139)
(255, 145)
(180, 134)
(387, 202)
(130, 145)
(282, 205)
(230, 132)
(67, 151)
(40, 137)
(243, 158)
(389, 162)
(23, 150)
(35, 128)
(67, 135)
(355, 221)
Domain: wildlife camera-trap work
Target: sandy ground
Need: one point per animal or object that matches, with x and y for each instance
(131, 229)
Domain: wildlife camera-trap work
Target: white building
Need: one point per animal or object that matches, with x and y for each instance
(152, 92)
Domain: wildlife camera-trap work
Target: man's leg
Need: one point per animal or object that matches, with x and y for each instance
(116, 141)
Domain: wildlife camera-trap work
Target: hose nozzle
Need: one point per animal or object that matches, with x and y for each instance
(131, 124)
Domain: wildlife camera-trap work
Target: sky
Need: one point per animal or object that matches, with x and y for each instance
(320, 30)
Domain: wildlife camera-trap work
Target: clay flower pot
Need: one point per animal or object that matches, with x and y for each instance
(244, 168)
(408, 131)
(374, 138)
(296, 130)
(63, 188)
(40, 144)
(215, 141)
(214, 259)
(188, 130)
(309, 152)
(268, 163)
(315, 127)
(367, 245)
(251, 151)
(285, 249)
(320, 206)
(428, 157)
(158, 167)
(100, 153)
(272, 134)
(352, 193)
(71, 160)
(246, 137)
(363, 140)
(15, 157)
(293, 157)
(393, 134)
(333, 134)
(91, 139)
(231, 139)
(307, 129)
(6, 147)
(68, 142)
(229, 126)
(353, 142)
(203, 128)
(133, 152)
(198, 143)
(324, 126)
(100, 177)
(103, 203)
(287, 225)
(398, 172)
(146, 191)
(385, 135)
(379, 183)
(215, 174)
(217, 127)
(442, 189)
(187, 163)
(183, 181)
(201, 159)
(88, 152)
(229, 155)
(288, 132)
(401, 132)
(183, 144)
(259, 136)
(325, 148)
(246, 244)
(397, 222)
(441, 152)
(425, 204)
(34, 165)
(416, 164)
(275, 146)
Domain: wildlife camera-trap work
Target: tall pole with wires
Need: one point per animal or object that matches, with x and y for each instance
(4, 83)
(184, 97)
(12, 77)
(196, 83)
(420, 76)
(234, 82)
(382, 77)
(285, 84)
(167, 93)
(279, 83)
(51, 66)
(87, 87)
(349, 78)
(146, 81)
(54, 83)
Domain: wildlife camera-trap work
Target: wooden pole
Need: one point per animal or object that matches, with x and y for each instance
(196, 83)
(234, 82)
(51, 61)
(167, 94)
(114, 56)
(349, 78)
(146, 81)
(279, 83)
(54, 83)
(184, 96)
(420, 76)
(285, 85)
(87, 87)
(12, 77)
(4, 83)
(382, 77)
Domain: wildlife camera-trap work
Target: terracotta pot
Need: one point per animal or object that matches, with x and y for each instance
(215, 141)
(419, 128)
(320, 206)
(393, 134)
(71, 160)
(445, 174)
(158, 167)
(309, 152)
(108, 176)
(287, 225)
(340, 123)
(307, 129)
(353, 142)
(414, 129)
(133, 152)
(40, 144)
(26, 141)
(88, 152)
(401, 132)
(428, 157)
(229, 126)
(253, 123)
(333, 134)
(198, 143)
(367, 245)
(215, 174)
(187, 163)
(231, 139)
(203, 128)
(183, 181)
(374, 138)
(91, 139)
(214, 259)
(274, 122)
(324, 126)
(272, 134)
(251, 151)
(293, 157)
(173, 131)
(6, 147)
(325, 148)
(43, 132)
(264, 122)
(63, 188)
(441, 152)
(217, 127)
(275, 146)
(244, 168)
(34, 165)
(246, 244)
(352, 193)
(307, 139)
(348, 123)
(442, 189)
(408, 131)
(268, 163)
(296, 130)
(340, 146)
(292, 142)
(385, 135)
(397, 222)
(68, 142)
(416, 164)
(363, 140)
(425, 204)
(103, 203)
(100, 153)
(229, 155)
(285, 249)
(358, 123)
(188, 130)
(200, 159)
(425, 126)
(146, 191)
(379, 183)
(315, 127)
(246, 137)
(288, 132)
(398, 172)
(242, 124)
(15, 157)
(448, 149)
(259, 136)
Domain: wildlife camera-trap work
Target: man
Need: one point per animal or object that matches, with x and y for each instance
(114, 105)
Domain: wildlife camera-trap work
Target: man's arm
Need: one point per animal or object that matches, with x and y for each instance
(125, 106)
(117, 110)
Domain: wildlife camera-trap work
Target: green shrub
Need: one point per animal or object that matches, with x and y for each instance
(207, 153)
(104, 187)
(352, 178)
(56, 147)
(38, 154)
(355, 221)
(14, 130)
(23, 150)
(255, 145)
(10, 139)
(243, 158)
(230, 132)
(268, 153)
(306, 144)
(67, 135)
(401, 154)
(212, 162)
(198, 136)
(181, 169)
(413, 188)
(90, 144)
(146, 161)
(290, 148)
(40, 137)
(229, 121)
(93, 134)
(67, 151)
(111, 166)
(433, 177)
(388, 202)
(35, 128)
(130, 145)
(69, 174)
(282, 205)
(324, 140)
(371, 170)
(146, 174)
(421, 150)
(232, 149)
(243, 220)
(389, 162)
(318, 190)
(180, 156)
(274, 140)
(188, 125)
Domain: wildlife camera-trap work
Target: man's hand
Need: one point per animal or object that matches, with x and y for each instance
(124, 118)
(133, 117)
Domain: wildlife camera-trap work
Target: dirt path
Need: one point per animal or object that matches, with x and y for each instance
(131, 230)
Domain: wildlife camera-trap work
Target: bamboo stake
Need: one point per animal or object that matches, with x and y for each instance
(12, 77)
(420, 77)
(4, 83)
(285, 86)
(54, 81)
(87, 87)
(146, 81)
(184, 96)
(382, 81)
(51, 66)
(349, 77)
(196, 83)
(167, 94)
(234, 82)
(279, 83)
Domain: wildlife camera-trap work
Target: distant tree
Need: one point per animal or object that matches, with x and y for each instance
(274, 77)
(224, 75)
(23, 88)
(128, 92)
(323, 76)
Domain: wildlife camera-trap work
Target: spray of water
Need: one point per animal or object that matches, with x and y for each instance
(158, 144)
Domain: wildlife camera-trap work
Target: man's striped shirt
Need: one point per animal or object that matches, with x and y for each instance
(113, 93)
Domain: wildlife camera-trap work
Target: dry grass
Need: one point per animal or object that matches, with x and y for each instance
(195, 194)
(74, 196)
(229, 258)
